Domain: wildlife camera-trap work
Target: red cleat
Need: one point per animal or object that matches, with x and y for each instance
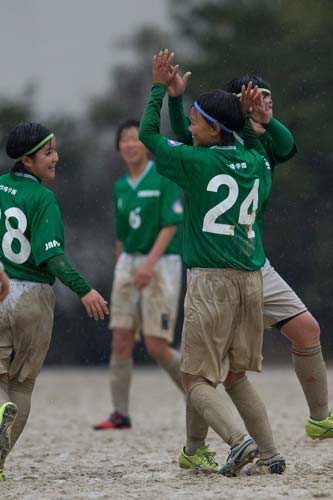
(115, 421)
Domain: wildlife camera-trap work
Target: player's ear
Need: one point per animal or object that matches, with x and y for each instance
(27, 162)
(216, 130)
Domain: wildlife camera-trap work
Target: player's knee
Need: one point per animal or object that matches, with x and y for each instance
(233, 377)
(314, 330)
(157, 349)
(303, 330)
(25, 387)
(122, 342)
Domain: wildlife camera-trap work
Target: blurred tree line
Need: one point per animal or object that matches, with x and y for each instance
(290, 45)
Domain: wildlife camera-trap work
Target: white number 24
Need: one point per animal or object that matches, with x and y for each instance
(246, 217)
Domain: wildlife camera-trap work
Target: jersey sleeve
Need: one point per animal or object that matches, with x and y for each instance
(251, 140)
(173, 159)
(47, 232)
(278, 142)
(171, 204)
(60, 267)
(179, 121)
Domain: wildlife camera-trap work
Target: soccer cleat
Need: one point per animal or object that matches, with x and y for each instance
(320, 429)
(8, 413)
(274, 465)
(115, 421)
(201, 460)
(239, 456)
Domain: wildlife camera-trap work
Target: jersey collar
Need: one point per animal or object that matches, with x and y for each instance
(27, 176)
(134, 184)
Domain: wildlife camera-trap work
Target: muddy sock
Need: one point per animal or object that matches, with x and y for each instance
(20, 394)
(196, 429)
(311, 372)
(120, 381)
(173, 368)
(4, 396)
(253, 412)
(209, 404)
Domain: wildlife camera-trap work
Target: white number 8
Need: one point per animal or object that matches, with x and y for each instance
(16, 234)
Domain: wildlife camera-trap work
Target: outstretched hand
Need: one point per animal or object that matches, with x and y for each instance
(177, 85)
(167, 73)
(249, 97)
(163, 71)
(260, 112)
(95, 305)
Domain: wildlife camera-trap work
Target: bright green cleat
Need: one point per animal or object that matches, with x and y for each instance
(201, 460)
(8, 413)
(320, 429)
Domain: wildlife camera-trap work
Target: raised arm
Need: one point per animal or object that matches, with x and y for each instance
(178, 120)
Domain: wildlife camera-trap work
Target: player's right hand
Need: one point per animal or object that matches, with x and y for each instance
(95, 305)
(4, 286)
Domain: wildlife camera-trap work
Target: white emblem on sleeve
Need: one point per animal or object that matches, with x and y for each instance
(174, 143)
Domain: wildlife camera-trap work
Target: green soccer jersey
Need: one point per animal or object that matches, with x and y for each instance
(278, 143)
(143, 208)
(31, 229)
(223, 189)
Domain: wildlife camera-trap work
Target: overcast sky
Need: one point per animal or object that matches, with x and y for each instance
(67, 46)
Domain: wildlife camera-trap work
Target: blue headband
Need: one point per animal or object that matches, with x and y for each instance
(210, 118)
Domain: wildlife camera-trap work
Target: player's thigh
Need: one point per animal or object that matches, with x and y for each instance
(210, 307)
(125, 297)
(160, 299)
(280, 302)
(32, 320)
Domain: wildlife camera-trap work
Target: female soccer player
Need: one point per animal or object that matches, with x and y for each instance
(222, 333)
(282, 307)
(32, 250)
(147, 278)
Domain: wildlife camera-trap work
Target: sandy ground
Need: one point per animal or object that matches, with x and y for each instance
(59, 456)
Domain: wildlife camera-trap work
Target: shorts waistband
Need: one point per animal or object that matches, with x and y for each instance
(223, 271)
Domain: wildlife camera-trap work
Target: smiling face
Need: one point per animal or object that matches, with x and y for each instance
(268, 102)
(132, 151)
(43, 163)
(202, 133)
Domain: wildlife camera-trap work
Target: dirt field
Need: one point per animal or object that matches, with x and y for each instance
(59, 456)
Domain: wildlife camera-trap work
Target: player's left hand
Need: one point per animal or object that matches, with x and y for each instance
(4, 286)
(163, 71)
(143, 275)
(177, 85)
(95, 305)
